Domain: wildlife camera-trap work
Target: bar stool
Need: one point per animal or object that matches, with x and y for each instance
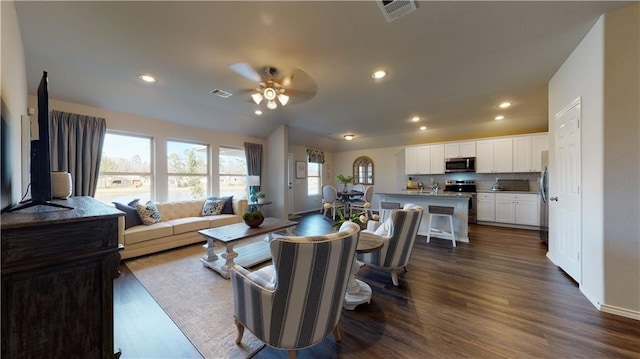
(443, 212)
(386, 208)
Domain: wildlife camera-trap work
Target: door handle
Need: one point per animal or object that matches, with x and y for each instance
(555, 199)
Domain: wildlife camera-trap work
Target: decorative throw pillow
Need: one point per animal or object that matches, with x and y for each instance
(212, 207)
(148, 212)
(131, 217)
(228, 204)
(385, 228)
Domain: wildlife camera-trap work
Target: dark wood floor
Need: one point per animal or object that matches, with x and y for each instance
(496, 297)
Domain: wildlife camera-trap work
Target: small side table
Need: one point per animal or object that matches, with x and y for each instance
(255, 206)
(359, 292)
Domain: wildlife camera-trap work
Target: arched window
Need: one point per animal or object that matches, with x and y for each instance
(363, 170)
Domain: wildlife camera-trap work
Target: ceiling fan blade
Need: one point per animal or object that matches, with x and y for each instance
(245, 70)
(298, 96)
(300, 86)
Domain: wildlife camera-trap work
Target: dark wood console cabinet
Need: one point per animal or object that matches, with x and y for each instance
(58, 267)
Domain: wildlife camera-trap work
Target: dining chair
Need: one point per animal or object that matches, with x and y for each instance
(398, 233)
(363, 205)
(330, 201)
(359, 187)
(297, 301)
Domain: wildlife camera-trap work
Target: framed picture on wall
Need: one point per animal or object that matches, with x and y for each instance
(301, 169)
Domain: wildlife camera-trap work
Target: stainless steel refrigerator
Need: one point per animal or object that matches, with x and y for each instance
(544, 193)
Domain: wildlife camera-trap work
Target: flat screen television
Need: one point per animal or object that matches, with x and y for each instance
(40, 160)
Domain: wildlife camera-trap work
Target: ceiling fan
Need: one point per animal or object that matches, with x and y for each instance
(273, 87)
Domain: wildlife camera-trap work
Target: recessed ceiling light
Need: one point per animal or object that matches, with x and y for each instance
(147, 78)
(379, 74)
(499, 117)
(422, 128)
(257, 112)
(349, 137)
(415, 119)
(505, 105)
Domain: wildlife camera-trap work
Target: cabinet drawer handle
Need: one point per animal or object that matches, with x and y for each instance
(555, 199)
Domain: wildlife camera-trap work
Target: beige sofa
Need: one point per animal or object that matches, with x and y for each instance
(179, 226)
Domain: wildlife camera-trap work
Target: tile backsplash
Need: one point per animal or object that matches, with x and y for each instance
(484, 181)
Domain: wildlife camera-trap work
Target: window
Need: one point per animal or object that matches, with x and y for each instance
(313, 178)
(125, 169)
(187, 170)
(363, 170)
(233, 172)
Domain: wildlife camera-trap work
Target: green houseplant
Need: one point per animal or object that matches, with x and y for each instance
(260, 196)
(345, 181)
(253, 219)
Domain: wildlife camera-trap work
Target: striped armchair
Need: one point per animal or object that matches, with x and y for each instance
(296, 302)
(399, 233)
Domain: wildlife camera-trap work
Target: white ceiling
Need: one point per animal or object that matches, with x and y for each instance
(450, 63)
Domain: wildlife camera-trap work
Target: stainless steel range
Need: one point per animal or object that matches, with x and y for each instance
(466, 186)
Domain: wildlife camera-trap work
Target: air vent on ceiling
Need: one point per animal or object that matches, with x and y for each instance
(393, 9)
(221, 93)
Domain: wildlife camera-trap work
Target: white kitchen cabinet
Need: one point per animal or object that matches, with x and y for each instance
(424, 160)
(486, 210)
(460, 149)
(539, 143)
(494, 155)
(468, 149)
(417, 160)
(517, 208)
(411, 160)
(527, 151)
(522, 154)
(420, 160)
(437, 159)
(452, 150)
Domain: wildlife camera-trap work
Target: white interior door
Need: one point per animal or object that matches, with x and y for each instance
(565, 234)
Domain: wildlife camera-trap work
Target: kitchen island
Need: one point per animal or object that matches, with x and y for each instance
(459, 201)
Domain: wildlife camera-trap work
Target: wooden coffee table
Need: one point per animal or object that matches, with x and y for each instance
(243, 245)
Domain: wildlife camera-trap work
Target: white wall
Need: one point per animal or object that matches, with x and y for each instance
(161, 132)
(276, 173)
(13, 91)
(604, 71)
(582, 76)
(388, 169)
(622, 160)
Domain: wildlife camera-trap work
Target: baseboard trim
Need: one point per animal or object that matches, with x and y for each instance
(628, 313)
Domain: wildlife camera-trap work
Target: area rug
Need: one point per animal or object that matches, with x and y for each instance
(196, 298)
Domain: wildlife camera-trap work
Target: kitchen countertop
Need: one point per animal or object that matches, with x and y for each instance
(439, 194)
(490, 191)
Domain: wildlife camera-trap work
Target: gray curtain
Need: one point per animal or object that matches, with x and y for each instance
(76, 147)
(253, 153)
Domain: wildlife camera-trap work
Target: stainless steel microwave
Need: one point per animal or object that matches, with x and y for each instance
(463, 164)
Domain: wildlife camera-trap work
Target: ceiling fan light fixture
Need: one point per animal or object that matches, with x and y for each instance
(272, 105)
(269, 93)
(257, 98)
(284, 99)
